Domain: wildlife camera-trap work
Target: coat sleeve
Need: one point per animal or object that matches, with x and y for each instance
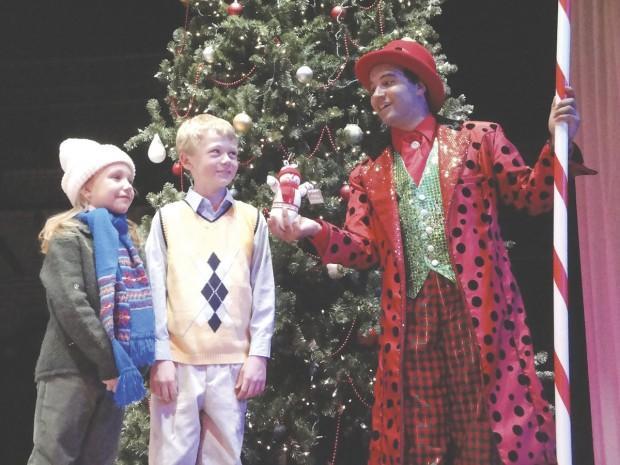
(354, 245)
(63, 279)
(519, 185)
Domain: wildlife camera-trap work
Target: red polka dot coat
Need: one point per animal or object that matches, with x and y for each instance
(479, 167)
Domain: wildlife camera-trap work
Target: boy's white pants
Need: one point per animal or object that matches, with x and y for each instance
(204, 425)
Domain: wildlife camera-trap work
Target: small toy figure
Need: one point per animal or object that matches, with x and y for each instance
(288, 190)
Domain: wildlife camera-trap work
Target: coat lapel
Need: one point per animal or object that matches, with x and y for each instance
(382, 195)
(453, 146)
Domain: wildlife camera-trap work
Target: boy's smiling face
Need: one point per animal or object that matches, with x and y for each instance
(213, 163)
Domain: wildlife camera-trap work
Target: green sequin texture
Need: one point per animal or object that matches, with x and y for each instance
(420, 208)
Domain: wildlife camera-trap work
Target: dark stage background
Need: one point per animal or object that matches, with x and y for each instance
(85, 69)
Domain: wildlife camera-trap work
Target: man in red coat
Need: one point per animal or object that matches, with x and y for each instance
(455, 381)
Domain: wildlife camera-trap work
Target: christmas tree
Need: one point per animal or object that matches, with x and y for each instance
(282, 73)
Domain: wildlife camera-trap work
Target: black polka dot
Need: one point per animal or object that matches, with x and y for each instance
(527, 340)
(334, 248)
(460, 247)
(366, 220)
(513, 456)
(479, 261)
(462, 209)
(466, 192)
(497, 416)
(397, 277)
(470, 125)
(387, 347)
(351, 210)
(363, 198)
(476, 301)
(497, 438)
(498, 167)
(519, 411)
(476, 145)
(509, 325)
(395, 331)
(488, 339)
(493, 126)
(512, 179)
(544, 195)
(505, 150)
(541, 436)
(352, 256)
(517, 430)
(470, 164)
(524, 380)
(472, 284)
(457, 232)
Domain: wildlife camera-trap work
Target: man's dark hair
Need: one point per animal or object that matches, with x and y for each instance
(410, 76)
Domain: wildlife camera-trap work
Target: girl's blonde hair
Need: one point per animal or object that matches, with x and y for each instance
(65, 223)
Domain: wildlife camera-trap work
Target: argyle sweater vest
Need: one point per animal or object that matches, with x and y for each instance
(422, 223)
(209, 293)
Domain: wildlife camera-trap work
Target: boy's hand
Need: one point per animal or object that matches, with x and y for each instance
(290, 230)
(164, 380)
(252, 377)
(110, 384)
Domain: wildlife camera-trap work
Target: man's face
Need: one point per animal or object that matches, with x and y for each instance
(399, 102)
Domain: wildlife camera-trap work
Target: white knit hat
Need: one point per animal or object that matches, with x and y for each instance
(81, 158)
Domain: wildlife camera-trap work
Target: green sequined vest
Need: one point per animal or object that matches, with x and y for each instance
(422, 223)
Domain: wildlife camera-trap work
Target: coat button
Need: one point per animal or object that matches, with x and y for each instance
(76, 286)
(415, 145)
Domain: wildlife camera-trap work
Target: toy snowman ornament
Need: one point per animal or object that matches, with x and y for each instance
(288, 190)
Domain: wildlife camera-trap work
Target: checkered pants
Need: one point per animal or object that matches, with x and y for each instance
(446, 421)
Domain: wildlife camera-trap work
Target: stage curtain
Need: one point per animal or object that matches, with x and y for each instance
(595, 74)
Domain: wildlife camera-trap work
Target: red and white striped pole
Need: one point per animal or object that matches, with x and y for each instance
(560, 248)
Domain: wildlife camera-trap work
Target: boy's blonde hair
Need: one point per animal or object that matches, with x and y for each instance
(193, 130)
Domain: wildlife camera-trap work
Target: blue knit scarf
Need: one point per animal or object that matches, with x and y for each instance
(126, 306)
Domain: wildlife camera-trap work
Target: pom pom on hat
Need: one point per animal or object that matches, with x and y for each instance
(80, 159)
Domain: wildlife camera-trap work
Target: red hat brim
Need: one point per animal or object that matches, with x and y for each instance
(401, 58)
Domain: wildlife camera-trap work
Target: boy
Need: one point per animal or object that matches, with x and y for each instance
(210, 264)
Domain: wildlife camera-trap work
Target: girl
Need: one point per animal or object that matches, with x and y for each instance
(101, 327)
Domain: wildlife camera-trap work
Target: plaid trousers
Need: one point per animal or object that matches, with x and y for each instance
(446, 419)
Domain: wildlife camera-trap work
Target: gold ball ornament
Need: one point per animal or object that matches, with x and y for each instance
(353, 134)
(242, 122)
(304, 74)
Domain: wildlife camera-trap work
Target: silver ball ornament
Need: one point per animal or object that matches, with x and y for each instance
(304, 74)
(335, 270)
(208, 54)
(353, 134)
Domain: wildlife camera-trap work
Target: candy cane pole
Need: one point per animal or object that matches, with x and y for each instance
(560, 269)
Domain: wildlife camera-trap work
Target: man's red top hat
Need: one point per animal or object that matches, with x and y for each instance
(410, 55)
